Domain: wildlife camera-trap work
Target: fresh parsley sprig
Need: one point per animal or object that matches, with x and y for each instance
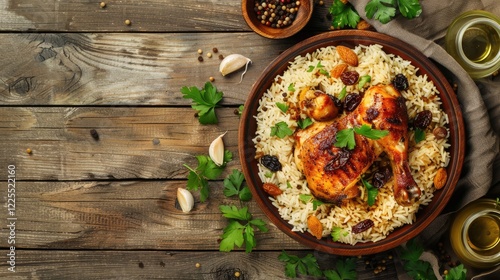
(304, 123)
(240, 228)
(337, 232)
(204, 101)
(345, 270)
(206, 170)
(233, 185)
(306, 198)
(345, 137)
(307, 265)
(343, 15)
(382, 10)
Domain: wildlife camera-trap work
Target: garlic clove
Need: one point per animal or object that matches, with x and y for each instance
(216, 150)
(232, 63)
(185, 199)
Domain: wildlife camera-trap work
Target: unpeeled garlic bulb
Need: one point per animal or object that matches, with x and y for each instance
(216, 150)
(232, 63)
(185, 199)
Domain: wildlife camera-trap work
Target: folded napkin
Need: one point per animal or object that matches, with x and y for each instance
(479, 100)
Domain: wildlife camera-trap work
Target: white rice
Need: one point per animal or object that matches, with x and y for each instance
(425, 158)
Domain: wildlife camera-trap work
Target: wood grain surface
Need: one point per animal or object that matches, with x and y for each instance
(105, 208)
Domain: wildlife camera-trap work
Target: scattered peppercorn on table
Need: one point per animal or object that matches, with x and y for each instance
(95, 137)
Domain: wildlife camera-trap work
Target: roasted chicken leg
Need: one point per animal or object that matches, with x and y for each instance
(332, 172)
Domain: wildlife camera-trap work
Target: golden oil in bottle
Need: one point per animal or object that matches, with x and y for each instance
(475, 234)
(473, 39)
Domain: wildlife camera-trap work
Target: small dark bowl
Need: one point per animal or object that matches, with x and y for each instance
(352, 38)
(302, 18)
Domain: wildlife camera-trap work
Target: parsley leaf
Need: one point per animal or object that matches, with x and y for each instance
(233, 185)
(283, 107)
(413, 250)
(368, 132)
(383, 10)
(456, 273)
(372, 192)
(346, 270)
(237, 233)
(419, 135)
(415, 267)
(206, 170)
(306, 198)
(291, 87)
(240, 110)
(304, 123)
(409, 8)
(281, 130)
(345, 138)
(204, 102)
(307, 265)
(363, 80)
(343, 15)
(337, 232)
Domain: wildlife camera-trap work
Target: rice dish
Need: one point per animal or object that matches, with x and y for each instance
(425, 157)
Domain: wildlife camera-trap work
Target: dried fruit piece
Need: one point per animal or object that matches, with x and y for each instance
(363, 25)
(271, 162)
(272, 189)
(422, 119)
(440, 132)
(352, 101)
(315, 226)
(400, 82)
(216, 150)
(440, 178)
(362, 226)
(349, 77)
(185, 199)
(347, 55)
(338, 70)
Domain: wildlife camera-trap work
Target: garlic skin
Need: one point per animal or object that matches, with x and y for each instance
(185, 199)
(232, 63)
(216, 150)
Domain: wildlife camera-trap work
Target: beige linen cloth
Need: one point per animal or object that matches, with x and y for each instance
(479, 100)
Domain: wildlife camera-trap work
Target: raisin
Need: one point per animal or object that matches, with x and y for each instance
(371, 114)
(339, 160)
(349, 77)
(381, 176)
(352, 101)
(422, 119)
(271, 162)
(400, 82)
(440, 132)
(362, 226)
(338, 103)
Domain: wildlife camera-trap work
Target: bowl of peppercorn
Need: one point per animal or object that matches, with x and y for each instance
(277, 115)
(277, 19)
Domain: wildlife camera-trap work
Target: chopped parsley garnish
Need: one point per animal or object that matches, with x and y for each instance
(240, 229)
(281, 130)
(419, 135)
(283, 107)
(204, 101)
(233, 185)
(372, 192)
(306, 198)
(291, 87)
(320, 68)
(337, 232)
(304, 123)
(206, 170)
(345, 137)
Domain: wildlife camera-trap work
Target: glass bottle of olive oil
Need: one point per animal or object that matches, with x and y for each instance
(475, 234)
(473, 39)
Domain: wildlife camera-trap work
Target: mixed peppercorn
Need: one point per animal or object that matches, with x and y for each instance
(276, 13)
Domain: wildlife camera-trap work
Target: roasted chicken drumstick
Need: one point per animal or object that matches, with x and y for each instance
(332, 172)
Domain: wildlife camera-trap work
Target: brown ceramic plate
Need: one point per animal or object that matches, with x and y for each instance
(352, 38)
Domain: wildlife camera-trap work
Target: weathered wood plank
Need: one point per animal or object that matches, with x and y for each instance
(124, 215)
(176, 265)
(145, 16)
(134, 142)
(125, 68)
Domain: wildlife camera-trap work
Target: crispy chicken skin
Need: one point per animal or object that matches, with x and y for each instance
(332, 172)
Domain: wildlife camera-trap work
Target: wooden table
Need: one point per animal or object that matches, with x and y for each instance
(105, 208)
